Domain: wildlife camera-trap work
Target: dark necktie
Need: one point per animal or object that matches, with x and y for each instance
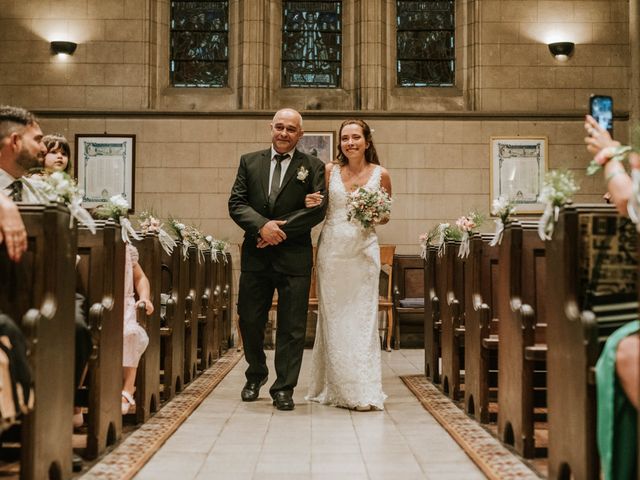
(275, 180)
(15, 191)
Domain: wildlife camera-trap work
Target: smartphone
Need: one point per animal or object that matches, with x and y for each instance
(601, 108)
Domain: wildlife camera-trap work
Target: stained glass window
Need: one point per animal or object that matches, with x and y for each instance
(311, 44)
(425, 37)
(199, 43)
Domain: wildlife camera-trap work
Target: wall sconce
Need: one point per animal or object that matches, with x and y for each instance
(562, 50)
(63, 48)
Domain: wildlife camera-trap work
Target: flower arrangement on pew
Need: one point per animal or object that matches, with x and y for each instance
(60, 187)
(503, 208)
(437, 236)
(466, 225)
(368, 207)
(190, 236)
(117, 208)
(149, 223)
(217, 247)
(559, 187)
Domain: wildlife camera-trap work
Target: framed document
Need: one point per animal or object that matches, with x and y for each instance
(318, 144)
(518, 166)
(105, 166)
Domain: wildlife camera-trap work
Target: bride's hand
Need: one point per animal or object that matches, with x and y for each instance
(313, 199)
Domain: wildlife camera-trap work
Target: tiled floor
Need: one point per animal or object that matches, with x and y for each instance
(228, 439)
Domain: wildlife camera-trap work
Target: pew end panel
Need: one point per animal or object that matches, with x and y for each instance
(408, 300)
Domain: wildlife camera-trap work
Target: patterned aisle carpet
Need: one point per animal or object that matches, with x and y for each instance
(495, 460)
(136, 450)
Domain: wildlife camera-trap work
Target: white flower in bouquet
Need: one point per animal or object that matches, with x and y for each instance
(501, 207)
(117, 208)
(368, 207)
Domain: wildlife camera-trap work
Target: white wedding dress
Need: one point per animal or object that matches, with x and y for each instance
(346, 368)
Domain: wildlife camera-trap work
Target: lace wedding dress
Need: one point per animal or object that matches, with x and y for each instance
(346, 366)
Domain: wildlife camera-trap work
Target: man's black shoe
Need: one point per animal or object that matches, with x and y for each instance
(251, 390)
(283, 400)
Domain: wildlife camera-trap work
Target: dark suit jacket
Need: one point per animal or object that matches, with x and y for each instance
(249, 208)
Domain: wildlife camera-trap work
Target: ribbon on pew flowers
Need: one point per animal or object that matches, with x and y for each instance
(60, 187)
(117, 208)
(559, 187)
(503, 208)
(466, 224)
(151, 224)
(217, 246)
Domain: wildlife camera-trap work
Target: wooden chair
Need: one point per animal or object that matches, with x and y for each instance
(408, 297)
(385, 300)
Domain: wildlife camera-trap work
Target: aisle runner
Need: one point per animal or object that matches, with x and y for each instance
(495, 461)
(136, 450)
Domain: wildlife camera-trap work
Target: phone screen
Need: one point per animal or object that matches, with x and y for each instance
(602, 111)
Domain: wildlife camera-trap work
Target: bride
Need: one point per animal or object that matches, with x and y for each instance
(346, 354)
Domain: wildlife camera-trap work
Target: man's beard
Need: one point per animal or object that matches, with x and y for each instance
(28, 161)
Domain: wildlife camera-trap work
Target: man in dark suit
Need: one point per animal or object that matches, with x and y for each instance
(267, 202)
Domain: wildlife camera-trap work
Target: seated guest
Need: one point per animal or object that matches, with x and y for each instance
(57, 158)
(618, 368)
(22, 149)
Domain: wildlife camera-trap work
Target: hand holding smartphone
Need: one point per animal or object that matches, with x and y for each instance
(601, 108)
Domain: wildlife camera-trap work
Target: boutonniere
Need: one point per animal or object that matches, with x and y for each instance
(303, 173)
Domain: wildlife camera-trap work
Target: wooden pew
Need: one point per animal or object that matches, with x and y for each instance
(192, 309)
(522, 313)
(481, 354)
(594, 252)
(175, 276)
(38, 294)
(452, 317)
(432, 315)
(408, 279)
(101, 269)
(227, 303)
(207, 312)
(148, 374)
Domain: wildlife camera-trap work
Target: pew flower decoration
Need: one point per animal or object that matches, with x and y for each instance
(466, 225)
(60, 187)
(442, 233)
(179, 230)
(117, 208)
(217, 247)
(150, 224)
(503, 208)
(368, 207)
(559, 187)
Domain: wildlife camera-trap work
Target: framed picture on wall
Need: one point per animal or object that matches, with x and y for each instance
(105, 166)
(318, 144)
(518, 166)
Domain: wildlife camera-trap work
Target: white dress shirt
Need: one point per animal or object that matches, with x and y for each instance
(6, 180)
(284, 164)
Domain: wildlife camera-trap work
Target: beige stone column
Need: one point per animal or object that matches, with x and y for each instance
(371, 44)
(254, 44)
(634, 46)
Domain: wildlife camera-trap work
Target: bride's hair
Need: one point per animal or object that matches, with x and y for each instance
(370, 154)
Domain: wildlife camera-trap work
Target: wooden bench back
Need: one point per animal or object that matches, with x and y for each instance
(38, 294)
(192, 306)
(594, 252)
(101, 270)
(431, 315)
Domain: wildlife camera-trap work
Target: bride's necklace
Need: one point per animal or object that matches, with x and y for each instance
(353, 180)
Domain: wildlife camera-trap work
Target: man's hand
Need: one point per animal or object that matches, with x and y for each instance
(12, 230)
(271, 234)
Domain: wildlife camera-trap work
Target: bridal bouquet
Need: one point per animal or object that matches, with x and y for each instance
(117, 208)
(368, 207)
(466, 224)
(60, 187)
(502, 207)
(559, 187)
(149, 223)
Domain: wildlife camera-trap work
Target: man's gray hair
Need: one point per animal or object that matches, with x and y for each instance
(13, 119)
(288, 110)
